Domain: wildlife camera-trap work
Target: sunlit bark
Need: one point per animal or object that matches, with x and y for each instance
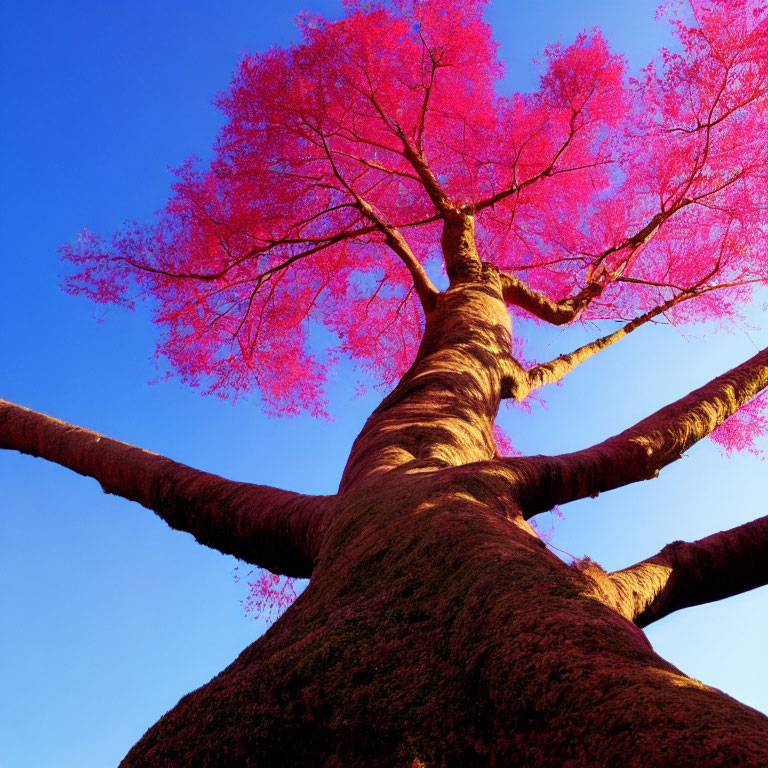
(641, 451)
(517, 293)
(442, 411)
(685, 574)
(265, 526)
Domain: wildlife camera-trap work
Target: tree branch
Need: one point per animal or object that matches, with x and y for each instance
(519, 383)
(425, 288)
(685, 574)
(323, 243)
(518, 294)
(268, 527)
(555, 370)
(641, 451)
(431, 185)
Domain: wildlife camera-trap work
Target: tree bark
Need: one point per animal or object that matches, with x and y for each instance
(442, 412)
(269, 527)
(684, 574)
(437, 629)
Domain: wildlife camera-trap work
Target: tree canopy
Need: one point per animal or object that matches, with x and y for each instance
(598, 196)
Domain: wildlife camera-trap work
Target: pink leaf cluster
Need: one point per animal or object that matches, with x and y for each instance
(654, 186)
(503, 443)
(744, 428)
(269, 595)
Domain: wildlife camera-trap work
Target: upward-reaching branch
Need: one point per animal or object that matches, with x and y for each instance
(641, 451)
(515, 188)
(522, 383)
(268, 527)
(424, 287)
(431, 185)
(517, 293)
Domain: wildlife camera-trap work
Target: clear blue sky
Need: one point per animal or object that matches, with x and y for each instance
(107, 616)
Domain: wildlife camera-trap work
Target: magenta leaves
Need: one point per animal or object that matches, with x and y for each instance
(269, 595)
(341, 154)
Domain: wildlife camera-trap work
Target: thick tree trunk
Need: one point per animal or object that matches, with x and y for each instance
(438, 628)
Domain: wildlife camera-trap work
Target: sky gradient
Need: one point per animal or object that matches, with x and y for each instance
(108, 616)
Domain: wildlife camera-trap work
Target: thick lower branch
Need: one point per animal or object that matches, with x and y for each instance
(641, 451)
(684, 574)
(269, 527)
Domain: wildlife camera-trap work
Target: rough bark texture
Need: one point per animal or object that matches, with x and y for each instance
(442, 411)
(684, 574)
(267, 526)
(437, 629)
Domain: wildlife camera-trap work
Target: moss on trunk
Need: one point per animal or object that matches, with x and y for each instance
(438, 628)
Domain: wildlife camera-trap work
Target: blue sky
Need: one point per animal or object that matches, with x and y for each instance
(108, 617)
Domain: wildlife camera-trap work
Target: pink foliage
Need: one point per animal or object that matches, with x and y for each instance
(742, 430)
(546, 532)
(503, 443)
(655, 185)
(269, 595)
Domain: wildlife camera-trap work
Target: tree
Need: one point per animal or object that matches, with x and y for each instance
(610, 290)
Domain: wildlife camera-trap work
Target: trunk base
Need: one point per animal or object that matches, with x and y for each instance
(455, 640)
